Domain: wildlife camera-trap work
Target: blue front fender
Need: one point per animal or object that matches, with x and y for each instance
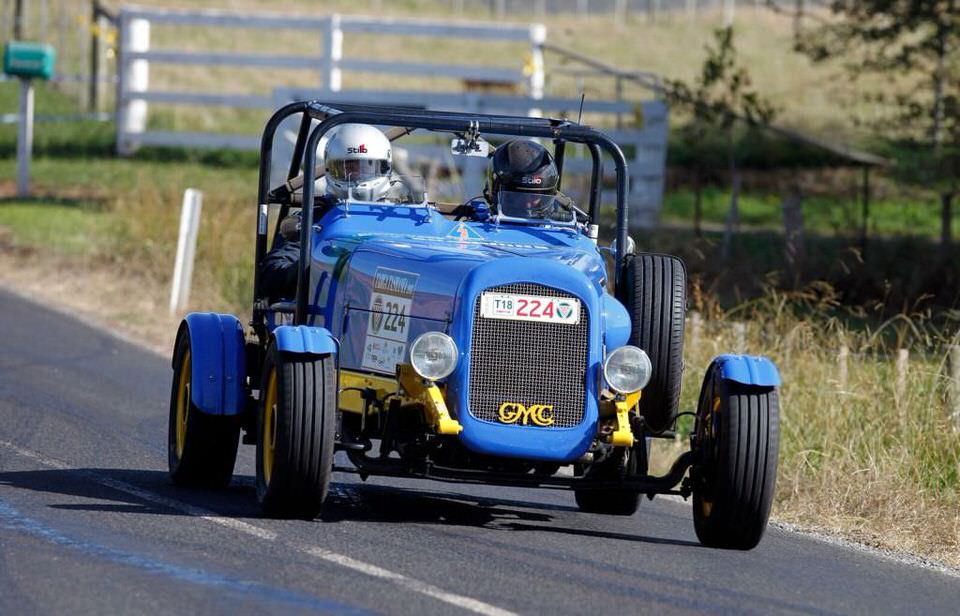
(305, 339)
(748, 370)
(219, 364)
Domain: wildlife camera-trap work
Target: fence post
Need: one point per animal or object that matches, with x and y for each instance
(186, 249)
(729, 7)
(696, 329)
(900, 384)
(535, 80)
(740, 337)
(953, 384)
(619, 11)
(653, 8)
(333, 53)
(94, 91)
(132, 76)
(842, 374)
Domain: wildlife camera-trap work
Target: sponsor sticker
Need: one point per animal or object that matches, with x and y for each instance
(388, 326)
(462, 231)
(518, 307)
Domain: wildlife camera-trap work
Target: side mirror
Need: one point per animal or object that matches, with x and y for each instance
(470, 147)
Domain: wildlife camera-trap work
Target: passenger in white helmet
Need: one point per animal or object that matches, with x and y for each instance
(358, 162)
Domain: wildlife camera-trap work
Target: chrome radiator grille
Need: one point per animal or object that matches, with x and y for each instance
(528, 362)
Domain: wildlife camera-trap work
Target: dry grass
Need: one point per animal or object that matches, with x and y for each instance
(859, 458)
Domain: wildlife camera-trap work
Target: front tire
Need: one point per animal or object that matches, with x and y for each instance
(737, 435)
(621, 464)
(295, 433)
(653, 287)
(201, 448)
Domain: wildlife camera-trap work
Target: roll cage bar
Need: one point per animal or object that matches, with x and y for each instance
(329, 116)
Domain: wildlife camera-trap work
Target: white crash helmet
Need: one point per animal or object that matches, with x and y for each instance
(358, 162)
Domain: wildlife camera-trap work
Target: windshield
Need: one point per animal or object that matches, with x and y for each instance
(532, 206)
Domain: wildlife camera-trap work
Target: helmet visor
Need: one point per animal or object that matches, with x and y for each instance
(531, 205)
(358, 171)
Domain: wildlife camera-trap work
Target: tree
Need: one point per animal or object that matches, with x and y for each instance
(719, 98)
(911, 43)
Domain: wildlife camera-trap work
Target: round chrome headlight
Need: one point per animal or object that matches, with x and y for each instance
(627, 369)
(433, 355)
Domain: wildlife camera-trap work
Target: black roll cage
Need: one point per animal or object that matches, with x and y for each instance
(331, 115)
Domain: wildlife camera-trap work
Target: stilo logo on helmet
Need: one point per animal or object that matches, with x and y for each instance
(361, 149)
(532, 180)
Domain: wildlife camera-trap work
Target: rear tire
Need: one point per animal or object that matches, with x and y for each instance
(653, 288)
(201, 448)
(738, 428)
(614, 501)
(295, 433)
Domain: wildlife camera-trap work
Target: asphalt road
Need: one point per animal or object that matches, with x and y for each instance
(90, 524)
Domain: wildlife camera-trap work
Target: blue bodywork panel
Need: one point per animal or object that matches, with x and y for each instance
(617, 321)
(372, 260)
(748, 370)
(305, 339)
(219, 365)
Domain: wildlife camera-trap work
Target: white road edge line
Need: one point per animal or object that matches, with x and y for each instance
(400, 580)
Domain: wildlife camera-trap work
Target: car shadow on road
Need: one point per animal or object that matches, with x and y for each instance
(119, 491)
(392, 505)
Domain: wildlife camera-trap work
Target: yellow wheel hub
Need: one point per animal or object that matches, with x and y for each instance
(269, 425)
(183, 404)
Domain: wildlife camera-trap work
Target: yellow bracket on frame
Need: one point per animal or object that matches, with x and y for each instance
(429, 394)
(623, 435)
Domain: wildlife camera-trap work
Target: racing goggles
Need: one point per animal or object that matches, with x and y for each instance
(532, 206)
(358, 171)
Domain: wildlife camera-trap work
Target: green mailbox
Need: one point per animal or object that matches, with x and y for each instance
(28, 60)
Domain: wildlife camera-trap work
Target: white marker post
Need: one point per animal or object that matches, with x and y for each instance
(186, 250)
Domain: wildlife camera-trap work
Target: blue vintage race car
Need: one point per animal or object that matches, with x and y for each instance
(449, 342)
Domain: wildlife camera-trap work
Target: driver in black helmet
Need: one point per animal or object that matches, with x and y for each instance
(523, 181)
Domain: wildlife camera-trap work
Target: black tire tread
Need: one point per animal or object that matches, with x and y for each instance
(654, 290)
(305, 438)
(745, 477)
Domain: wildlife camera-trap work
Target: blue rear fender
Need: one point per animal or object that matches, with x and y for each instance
(748, 370)
(218, 362)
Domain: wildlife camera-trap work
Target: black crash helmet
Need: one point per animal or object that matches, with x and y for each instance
(522, 166)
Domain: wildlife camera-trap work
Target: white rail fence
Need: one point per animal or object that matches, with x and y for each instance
(134, 92)
(645, 146)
